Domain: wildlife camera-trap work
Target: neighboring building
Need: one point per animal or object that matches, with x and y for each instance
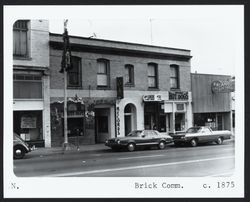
(31, 103)
(212, 101)
(154, 91)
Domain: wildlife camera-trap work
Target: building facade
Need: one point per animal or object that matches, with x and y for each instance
(212, 101)
(116, 87)
(31, 100)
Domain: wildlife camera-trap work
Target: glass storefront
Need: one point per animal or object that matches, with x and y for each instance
(28, 125)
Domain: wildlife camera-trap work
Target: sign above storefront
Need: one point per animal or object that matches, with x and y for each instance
(151, 98)
(180, 95)
(223, 86)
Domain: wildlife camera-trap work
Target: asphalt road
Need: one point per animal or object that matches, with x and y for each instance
(205, 160)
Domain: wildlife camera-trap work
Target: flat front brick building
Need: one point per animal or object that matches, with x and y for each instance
(156, 89)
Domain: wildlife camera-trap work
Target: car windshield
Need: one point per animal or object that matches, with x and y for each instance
(193, 130)
(135, 133)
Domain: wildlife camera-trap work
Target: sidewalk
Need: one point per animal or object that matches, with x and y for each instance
(72, 149)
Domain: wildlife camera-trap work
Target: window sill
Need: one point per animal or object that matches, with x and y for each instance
(153, 89)
(175, 89)
(103, 88)
(129, 85)
(74, 87)
(22, 58)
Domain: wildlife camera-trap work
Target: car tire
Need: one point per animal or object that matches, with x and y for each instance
(161, 145)
(131, 147)
(193, 143)
(219, 141)
(18, 152)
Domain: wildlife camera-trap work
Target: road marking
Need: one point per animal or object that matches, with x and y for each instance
(138, 157)
(137, 167)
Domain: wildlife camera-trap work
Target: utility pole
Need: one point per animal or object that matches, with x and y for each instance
(65, 66)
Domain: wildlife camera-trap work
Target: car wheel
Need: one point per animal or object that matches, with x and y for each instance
(193, 142)
(161, 145)
(219, 141)
(131, 147)
(18, 152)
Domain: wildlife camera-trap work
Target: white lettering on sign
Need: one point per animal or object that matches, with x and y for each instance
(178, 95)
(148, 98)
(223, 86)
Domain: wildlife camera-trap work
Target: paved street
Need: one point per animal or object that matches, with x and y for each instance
(204, 160)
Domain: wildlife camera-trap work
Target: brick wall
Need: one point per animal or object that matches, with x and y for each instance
(117, 63)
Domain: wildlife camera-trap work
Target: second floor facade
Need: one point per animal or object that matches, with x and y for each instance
(97, 63)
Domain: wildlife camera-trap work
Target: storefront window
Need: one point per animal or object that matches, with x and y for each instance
(28, 124)
(27, 86)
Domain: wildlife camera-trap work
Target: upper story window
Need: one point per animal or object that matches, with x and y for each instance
(174, 78)
(74, 74)
(103, 73)
(20, 38)
(152, 75)
(27, 86)
(129, 75)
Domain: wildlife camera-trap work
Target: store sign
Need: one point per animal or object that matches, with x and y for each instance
(118, 121)
(182, 95)
(150, 98)
(119, 87)
(28, 122)
(223, 86)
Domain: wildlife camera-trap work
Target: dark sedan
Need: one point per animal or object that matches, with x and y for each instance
(139, 138)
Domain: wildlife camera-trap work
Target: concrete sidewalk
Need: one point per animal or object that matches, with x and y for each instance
(72, 149)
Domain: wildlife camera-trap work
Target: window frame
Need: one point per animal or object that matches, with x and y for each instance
(177, 77)
(155, 76)
(79, 60)
(19, 30)
(131, 76)
(107, 65)
(36, 78)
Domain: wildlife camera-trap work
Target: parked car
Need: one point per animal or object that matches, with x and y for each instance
(139, 138)
(201, 134)
(20, 147)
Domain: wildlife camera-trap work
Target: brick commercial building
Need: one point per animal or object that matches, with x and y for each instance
(31, 97)
(116, 87)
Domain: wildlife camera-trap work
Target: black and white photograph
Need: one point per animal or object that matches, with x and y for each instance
(124, 101)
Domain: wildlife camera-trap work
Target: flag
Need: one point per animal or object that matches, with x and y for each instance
(66, 63)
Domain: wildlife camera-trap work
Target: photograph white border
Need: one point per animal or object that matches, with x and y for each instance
(115, 187)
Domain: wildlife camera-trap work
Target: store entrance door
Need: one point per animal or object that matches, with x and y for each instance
(179, 121)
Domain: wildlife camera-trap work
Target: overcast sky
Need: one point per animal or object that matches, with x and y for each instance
(214, 34)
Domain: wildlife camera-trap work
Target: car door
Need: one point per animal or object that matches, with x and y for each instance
(207, 135)
(147, 137)
(203, 135)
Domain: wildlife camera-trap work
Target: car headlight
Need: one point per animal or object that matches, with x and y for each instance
(118, 141)
(183, 137)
